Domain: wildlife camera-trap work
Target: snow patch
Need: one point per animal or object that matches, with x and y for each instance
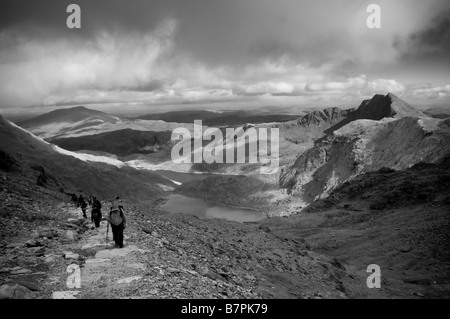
(165, 187)
(165, 166)
(90, 158)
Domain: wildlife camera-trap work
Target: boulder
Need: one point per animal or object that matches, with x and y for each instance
(15, 291)
(405, 249)
(155, 234)
(70, 255)
(30, 284)
(71, 235)
(47, 233)
(33, 243)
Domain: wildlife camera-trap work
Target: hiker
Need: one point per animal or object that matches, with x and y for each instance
(83, 205)
(118, 222)
(75, 200)
(96, 213)
(90, 201)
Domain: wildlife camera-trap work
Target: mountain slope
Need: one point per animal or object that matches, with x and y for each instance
(322, 117)
(377, 108)
(121, 142)
(364, 146)
(318, 123)
(61, 121)
(438, 112)
(399, 220)
(70, 173)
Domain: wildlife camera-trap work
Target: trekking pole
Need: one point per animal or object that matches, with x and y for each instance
(107, 230)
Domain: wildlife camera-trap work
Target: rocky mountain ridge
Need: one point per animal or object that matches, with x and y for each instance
(364, 146)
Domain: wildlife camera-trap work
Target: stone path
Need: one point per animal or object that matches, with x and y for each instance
(108, 265)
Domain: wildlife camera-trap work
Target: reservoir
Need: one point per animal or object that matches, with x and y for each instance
(203, 209)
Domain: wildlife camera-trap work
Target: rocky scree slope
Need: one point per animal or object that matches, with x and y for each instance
(363, 146)
(165, 255)
(397, 219)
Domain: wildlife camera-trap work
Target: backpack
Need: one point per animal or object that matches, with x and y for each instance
(115, 216)
(96, 204)
(95, 213)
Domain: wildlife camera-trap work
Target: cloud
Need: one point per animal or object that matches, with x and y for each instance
(432, 42)
(35, 72)
(255, 51)
(350, 83)
(427, 91)
(385, 85)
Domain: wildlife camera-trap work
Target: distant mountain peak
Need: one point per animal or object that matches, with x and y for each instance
(391, 95)
(75, 109)
(72, 117)
(389, 105)
(80, 107)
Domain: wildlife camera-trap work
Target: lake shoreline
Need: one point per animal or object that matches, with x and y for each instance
(213, 203)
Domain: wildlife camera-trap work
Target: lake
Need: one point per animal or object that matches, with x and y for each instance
(203, 209)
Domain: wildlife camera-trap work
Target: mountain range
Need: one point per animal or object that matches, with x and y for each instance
(357, 186)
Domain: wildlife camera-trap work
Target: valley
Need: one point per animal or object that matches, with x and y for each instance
(356, 186)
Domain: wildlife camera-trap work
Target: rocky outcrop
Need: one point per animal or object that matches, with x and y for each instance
(363, 146)
(322, 119)
(389, 105)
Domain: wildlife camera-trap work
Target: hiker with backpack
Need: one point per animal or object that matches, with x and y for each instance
(83, 205)
(96, 213)
(118, 222)
(75, 200)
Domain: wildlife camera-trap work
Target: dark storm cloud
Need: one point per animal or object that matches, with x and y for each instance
(192, 51)
(433, 41)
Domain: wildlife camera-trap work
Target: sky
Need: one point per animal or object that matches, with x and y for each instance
(160, 55)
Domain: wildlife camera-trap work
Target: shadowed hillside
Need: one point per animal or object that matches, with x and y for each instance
(23, 151)
(120, 142)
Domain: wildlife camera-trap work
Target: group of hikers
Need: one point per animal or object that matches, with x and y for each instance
(116, 217)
